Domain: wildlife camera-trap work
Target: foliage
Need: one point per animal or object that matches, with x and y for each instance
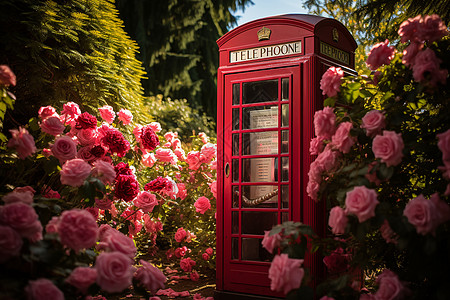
(384, 177)
(69, 51)
(177, 41)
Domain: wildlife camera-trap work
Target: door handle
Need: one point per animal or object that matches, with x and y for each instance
(227, 169)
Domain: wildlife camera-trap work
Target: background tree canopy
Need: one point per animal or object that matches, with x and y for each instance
(177, 40)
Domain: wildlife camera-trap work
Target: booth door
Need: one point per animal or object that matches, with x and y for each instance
(257, 188)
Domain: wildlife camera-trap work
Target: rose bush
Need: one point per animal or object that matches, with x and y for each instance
(383, 168)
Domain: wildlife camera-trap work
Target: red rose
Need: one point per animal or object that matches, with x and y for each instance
(149, 139)
(85, 121)
(126, 187)
(115, 141)
(158, 184)
(122, 169)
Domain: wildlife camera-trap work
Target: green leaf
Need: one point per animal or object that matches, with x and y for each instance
(354, 86)
(330, 101)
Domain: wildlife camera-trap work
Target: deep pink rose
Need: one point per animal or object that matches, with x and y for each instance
(158, 184)
(43, 289)
(47, 111)
(22, 218)
(126, 187)
(114, 271)
(99, 152)
(209, 250)
(7, 77)
(373, 122)
(85, 154)
(325, 123)
(23, 196)
(104, 203)
(125, 116)
(180, 234)
(85, 121)
(10, 243)
(104, 171)
(213, 188)
(342, 139)
(87, 137)
(117, 241)
(186, 264)
(422, 214)
(337, 220)
(388, 147)
(194, 276)
(337, 262)
(22, 141)
(316, 145)
(195, 159)
(432, 28)
(408, 30)
(150, 277)
(166, 155)
(74, 172)
(114, 140)
(380, 54)
(331, 81)
(181, 251)
(202, 205)
(82, 278)
(444, 144)
(64, 148)
(146, 201)
(271, 242)
(182, 191)
(77, 229)
(361, 202)
(426, 68)
(205, 256)
(52, 126)
(410, 52)
(107, 113)
(209, 151)
(285, 273)
(149, 140)
(390, 287)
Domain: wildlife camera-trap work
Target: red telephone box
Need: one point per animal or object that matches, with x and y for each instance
(268, 91)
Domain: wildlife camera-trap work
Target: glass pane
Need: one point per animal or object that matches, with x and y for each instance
(260, 91)
(236, 144)
(235, 222)
(235, 196)
(285, 196)
(252, 194)
(285, 115)
(234, 248)
(236, 118)
(253, 250)
(285, 169)
(258, 169)
(256, 143)
(285, 141)
(236, 92)
(284, 217)
(255, 222)
(260, 117)
(284, 89)
(235, 170)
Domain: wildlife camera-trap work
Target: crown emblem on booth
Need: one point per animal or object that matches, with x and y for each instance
(264, 34)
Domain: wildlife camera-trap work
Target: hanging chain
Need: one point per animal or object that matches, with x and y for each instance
(259, 200)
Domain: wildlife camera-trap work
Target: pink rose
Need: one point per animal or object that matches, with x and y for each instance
(52, 126)
(74, 172)
(114, 271)
(85, 154)
(331, 81)
(64, 148)
(209, 250)
(213, 188)
(148, 160)
(338, 220)
(77, 229)
(326, 298)
(7, 77)
(104, 203)
(373, 122)
(205, 256)
(426, 68)
(155, 126)
(181, 251)
(408, 29)
(87, 137)
(52, 225)
(166, 155)
(43, 289)
(116, 241)
(324, 123)
(71, 111)
(390, 287)
(195, 160)
(10, 243)
(22, 142)
(361, 202)
(23, 196)
(150, 277)
(371, 175)
(104, 171)
(444, 144)
(202, 205)
(316, 145)
(432, 28)
(47, 111)
(107, 113)
(410, 52)
(209, 151)
(82, 278)
(342, 138)
(442, 209)
(180, 154)
(285, 273)
(388, 147)
(194, 276)
(203, 137)
(271, 242)
(312, 188)
(125, 116)
(169, 136)
(380, 54)
(22, 218)
(387, 233)
(327, 160)
(182, 192)
(421, 213)
(180, 234)
(146, 201)
(186, 264)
